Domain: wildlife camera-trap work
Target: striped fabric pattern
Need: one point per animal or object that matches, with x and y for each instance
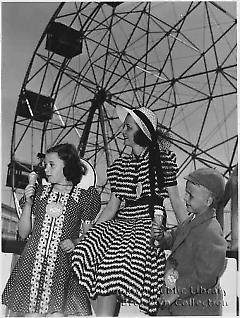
(127, 171)
(116, 256)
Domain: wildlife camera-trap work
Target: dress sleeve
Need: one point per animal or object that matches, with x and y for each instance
(92, 204)
(170, 168)
(113, 173)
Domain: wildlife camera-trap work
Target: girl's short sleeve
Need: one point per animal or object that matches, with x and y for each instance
(92, 204)
(170, 168)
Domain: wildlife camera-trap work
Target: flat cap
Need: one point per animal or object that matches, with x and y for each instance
(209, 178)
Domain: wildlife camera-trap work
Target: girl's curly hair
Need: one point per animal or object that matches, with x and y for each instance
(74, 169)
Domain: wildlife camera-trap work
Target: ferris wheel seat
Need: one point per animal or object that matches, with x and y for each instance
(17, 175)
(34, 106)
(64, 40)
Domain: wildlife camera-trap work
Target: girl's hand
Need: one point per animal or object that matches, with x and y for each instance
(29, 193)
(67, 246)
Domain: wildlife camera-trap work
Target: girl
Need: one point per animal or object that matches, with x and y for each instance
(41, 283)
(116, 259)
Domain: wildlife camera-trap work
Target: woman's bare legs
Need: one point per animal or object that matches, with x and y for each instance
(105, 306)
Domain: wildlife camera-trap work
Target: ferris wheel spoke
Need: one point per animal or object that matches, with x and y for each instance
(178, 59)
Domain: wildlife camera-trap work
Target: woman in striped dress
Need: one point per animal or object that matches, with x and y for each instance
(116, 260)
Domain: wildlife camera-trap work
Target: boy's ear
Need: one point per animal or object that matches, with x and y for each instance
(209, 200)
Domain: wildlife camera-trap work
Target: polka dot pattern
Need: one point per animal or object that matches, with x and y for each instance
(42, 281)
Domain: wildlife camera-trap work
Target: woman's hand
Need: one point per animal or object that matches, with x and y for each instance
(67, 246)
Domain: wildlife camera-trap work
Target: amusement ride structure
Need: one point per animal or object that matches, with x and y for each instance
(177, 58)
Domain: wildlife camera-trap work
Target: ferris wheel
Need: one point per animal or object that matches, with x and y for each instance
(177, 58)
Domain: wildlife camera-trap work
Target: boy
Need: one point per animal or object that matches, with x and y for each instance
(198, 251)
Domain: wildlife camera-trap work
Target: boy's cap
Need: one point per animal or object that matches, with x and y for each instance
(209, 178)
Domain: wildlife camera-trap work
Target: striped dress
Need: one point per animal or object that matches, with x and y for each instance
(116, 256)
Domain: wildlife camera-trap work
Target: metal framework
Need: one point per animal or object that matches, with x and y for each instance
(177, 58)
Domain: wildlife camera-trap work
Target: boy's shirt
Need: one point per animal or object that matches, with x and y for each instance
(197, 259)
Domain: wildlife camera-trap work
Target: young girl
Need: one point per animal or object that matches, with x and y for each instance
(116, 259)
(41, 282)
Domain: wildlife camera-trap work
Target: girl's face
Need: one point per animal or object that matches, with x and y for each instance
(54, 168)
(130, 129)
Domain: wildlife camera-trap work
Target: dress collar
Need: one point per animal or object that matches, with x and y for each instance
(143, 155)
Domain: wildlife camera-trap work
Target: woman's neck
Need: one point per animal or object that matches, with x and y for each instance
(138, 150)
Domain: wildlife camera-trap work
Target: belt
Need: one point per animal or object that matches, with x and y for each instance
(144, 200)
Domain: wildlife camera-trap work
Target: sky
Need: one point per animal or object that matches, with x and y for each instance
(22, 26)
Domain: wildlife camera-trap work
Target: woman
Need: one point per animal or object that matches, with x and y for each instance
(41, 283)
(116, 259)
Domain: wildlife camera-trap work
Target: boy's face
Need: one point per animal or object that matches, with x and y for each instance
(197, 198)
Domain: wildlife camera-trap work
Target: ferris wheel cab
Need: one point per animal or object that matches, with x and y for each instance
(63, 40)
(34, 106)
(17, 175)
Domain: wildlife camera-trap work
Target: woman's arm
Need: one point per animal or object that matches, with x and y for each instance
(177, 204)
(107, 214)
(110, 210)
(68, 245)
(85, 228)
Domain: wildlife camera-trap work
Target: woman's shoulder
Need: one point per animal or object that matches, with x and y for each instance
(122, 159)
(120, 162)
(167, 154)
